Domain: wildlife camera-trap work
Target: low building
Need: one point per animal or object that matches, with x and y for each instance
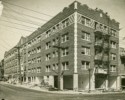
(88, 40)
(122, 67)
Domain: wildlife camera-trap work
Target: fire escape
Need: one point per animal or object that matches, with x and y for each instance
(102, 49)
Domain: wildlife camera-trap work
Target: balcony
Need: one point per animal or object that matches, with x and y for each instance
(98, 45)
(101, 71)
(106, 32)
(101, 31)
(98, 31)
(106, 45)
(106, 48)
(98, 59)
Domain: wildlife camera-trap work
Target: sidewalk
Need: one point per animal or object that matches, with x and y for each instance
(42, 89)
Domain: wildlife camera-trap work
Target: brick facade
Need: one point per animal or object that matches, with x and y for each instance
(76, 25)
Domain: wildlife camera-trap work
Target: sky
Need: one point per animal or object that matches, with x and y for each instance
(10, 33)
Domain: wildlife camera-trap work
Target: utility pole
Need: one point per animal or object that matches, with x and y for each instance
(108, 53)
(59, 61)
(20, 76)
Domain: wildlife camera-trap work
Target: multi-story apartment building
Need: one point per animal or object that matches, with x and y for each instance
(1, 70)
(89, 56)
(122, 67)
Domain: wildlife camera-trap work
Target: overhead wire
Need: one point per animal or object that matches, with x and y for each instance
(18, 24)
(21, 20)
(5, 42)
(27, 8)
(4, 46)
(28, 15)
(9, 20)
(18, 19)
(17, 28)
(24, 14)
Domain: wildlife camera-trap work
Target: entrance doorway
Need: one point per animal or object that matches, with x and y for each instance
(123, 83)
(56, 81)
(100, 80)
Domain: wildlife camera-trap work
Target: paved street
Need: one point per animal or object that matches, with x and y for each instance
(9, 92)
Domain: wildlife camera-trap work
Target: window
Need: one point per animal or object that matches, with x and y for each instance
(34, 60)
(33, 41)
(39, 49)
(54, 42)
(48, 57)
(113, 44)
(113, 68)
(58, 26)
(106, 29)
(113, 32)
(48, 45)
(38, 69)
(113, 56)
(55, 54)
(88, 22)
(38, 39)
(101, 27)
(83, 20)
(33, 51)
(65, 52)
(65, 66)
(65, 38)
(65, 23)
(85, 65)
(85, 50)
(29, 44)
(85, 36)
(48, 33)
(55, 66)
(48, 68)
(38, 59)
(29, 62)
(53, 29)
(29, 53)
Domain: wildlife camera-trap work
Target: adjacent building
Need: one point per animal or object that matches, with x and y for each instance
(89, 42)
(1, 70)
(122, 67)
